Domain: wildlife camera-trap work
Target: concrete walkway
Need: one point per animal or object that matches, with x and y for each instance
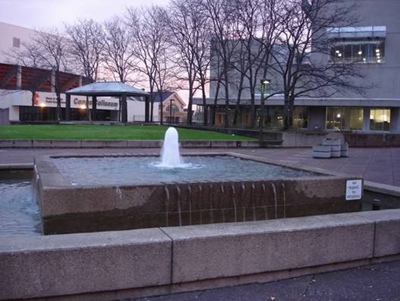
(378, 282)
(380, 165)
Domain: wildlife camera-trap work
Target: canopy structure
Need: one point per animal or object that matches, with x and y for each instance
(112, 89)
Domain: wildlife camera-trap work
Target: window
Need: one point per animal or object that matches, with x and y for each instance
(344, 119)
(300, 118)
(16, 42)
(379, 119)
(358, 50)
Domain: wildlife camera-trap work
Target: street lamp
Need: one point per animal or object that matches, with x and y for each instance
(264, 82)
(170, 110)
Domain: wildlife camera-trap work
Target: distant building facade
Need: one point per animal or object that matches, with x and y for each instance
(28, 94)
(375, 43)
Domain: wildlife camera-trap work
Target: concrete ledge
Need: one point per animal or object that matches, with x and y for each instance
(137, 263)
(214, 251)
(6, 143)
(22, 144)
(131, 144)
(73, 264)
(66, 143)
(195, 143)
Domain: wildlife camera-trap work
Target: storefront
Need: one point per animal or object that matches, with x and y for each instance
(19, 104)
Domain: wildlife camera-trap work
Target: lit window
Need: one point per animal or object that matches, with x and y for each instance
(379, 119)
(358, 50)
(344, 118)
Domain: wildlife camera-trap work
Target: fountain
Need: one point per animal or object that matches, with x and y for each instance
(117, 192)
(170, 155)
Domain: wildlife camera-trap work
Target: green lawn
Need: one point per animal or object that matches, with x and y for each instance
(150, 132)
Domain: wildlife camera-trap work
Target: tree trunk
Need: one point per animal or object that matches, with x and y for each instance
(205, 113)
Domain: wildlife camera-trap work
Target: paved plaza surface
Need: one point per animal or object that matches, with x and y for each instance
(380, 165)
(378, 282)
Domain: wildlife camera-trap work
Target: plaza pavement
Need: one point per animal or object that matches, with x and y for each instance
(377, 282)
(380, 165)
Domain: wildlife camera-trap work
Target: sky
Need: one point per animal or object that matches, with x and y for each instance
(38, 14)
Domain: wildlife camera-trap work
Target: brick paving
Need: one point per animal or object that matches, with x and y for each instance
(380, 165)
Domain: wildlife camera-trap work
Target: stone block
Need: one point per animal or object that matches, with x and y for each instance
(228, 250)
(22, 143)
(145, 143)
(116, 143)
(249, 144)
(93, 143)
(66, 143)
(6, 143)
(387, 235)
(223, 144)
(41, 143)
(37, 267)
(322, 151)
(196, 143)
(332, 142)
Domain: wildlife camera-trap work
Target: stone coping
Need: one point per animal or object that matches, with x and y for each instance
(163, 260)
(132, 144)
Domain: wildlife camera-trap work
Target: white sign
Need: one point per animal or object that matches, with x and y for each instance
(353, 190)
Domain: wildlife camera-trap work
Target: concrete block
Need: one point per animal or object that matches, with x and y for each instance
(116, 143)
(322, 151)
(145, 143)
(22, 143)
(332, 142)
(41, 143)
(66, 143)
(322, 148)
(37, 267)
(6, 143)
(93, 144)
(226, 250)
(196, 143)
(249, 144)
(223, 144)
(387, 235)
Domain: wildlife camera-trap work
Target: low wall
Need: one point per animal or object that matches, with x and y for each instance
(307, 139)
(129, 264)
(129, 144)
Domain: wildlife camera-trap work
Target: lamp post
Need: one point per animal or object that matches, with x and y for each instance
(264, 82)
(170, 110)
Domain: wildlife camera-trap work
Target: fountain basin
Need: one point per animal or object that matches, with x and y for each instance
(67, 207)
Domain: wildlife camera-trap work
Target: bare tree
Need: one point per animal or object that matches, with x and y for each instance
(53, 54)
(150, 46)
(86, 45)
(28, 55)
(118, 51)
(224, 20)
(302, 62)
(191, 30)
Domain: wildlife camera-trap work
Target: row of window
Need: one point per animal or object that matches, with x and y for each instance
(353, 119)
(363, 51)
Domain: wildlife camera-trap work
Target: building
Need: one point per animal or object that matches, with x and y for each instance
(28, 94)
(172, 105)
(375, 43)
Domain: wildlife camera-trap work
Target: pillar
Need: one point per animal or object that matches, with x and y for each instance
(366, 119)
(94, 108)
(394, 120)
(124, 108)
(68, 108)
(53, 81)
(19, 77)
